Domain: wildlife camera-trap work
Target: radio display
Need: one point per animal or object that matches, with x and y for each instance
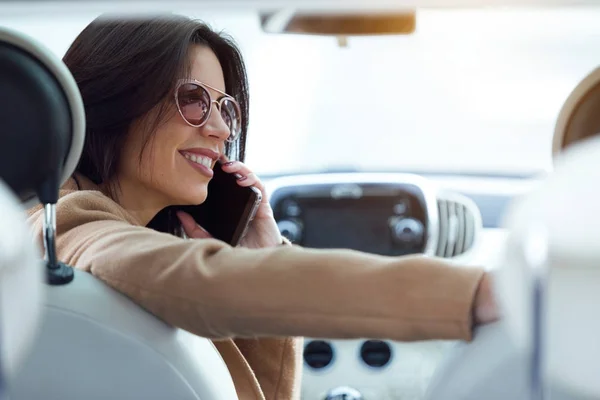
(359, 224)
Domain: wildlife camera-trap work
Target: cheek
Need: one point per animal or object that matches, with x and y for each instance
(158, 160)
(129, 162)
(165, 170)
(143, 157)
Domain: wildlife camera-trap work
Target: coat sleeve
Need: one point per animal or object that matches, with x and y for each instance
(216, 291)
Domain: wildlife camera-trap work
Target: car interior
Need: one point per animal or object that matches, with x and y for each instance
(466, 133)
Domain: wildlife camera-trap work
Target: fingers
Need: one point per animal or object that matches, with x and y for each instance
(191, 228)
(236, 167)
(245, 176)
(486, 309)
(249, 180)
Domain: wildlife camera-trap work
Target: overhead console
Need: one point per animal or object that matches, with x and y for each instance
(388, 214)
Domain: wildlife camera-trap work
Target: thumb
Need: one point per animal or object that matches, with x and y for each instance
(486, 309)
(191, 228)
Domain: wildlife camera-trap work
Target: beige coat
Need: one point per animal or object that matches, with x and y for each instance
(252, 302)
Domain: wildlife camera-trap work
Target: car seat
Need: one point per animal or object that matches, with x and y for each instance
(92, 342)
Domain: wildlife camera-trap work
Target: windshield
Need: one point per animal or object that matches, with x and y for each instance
(472, 91)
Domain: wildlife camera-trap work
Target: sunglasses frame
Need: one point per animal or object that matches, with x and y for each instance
(233, 136)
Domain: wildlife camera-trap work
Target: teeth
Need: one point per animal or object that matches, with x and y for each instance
(202, 160)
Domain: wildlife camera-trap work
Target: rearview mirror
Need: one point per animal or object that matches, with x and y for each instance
(339, 24)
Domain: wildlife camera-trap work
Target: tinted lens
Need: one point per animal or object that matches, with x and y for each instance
(194, 103)
(230, 113)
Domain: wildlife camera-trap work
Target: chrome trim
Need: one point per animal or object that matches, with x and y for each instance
(49, 232)
(428, 188)
(343, 393)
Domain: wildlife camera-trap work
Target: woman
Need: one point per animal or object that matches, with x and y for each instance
(166, 97)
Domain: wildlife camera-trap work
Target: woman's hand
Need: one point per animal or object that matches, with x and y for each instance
(485, 308)
(263, 230)
(191, 228)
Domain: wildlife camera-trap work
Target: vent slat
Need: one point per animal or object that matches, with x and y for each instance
(457, 227)
(451, 230)
(470, 234)
(443, 223)
(460, 239)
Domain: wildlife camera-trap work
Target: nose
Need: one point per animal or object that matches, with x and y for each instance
(216, 127)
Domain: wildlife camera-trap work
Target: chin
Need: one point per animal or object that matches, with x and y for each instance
(191, 197)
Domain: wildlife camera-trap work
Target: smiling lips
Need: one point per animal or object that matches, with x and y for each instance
(198, 159)
(202, 159)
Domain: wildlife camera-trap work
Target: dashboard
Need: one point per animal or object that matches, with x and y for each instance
(455, 217)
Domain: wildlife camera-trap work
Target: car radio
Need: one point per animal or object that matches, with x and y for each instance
(387, 214)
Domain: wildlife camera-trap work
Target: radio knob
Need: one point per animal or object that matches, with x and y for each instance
(290, 208)
(407, 231)
(344, 393)
(291, 230)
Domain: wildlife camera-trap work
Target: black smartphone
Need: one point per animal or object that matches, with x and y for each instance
(229, 208)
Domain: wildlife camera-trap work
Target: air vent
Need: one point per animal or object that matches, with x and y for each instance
(375, 353)
(459, 224)
(318, 354)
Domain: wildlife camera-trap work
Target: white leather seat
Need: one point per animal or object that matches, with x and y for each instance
(497, 365)
(92, 343)
(21, 287)
(96, 344)
(561, 222)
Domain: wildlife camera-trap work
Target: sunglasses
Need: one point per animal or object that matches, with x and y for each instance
(194, 103)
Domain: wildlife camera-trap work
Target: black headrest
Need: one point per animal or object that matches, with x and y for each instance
(42, 121)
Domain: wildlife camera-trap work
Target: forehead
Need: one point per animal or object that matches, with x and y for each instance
(205, 67)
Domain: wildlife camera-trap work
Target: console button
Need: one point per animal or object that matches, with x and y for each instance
(290, 208)
(401, 207)
(318, 354)
(291, 230)
(376, 353)
(407, 231)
